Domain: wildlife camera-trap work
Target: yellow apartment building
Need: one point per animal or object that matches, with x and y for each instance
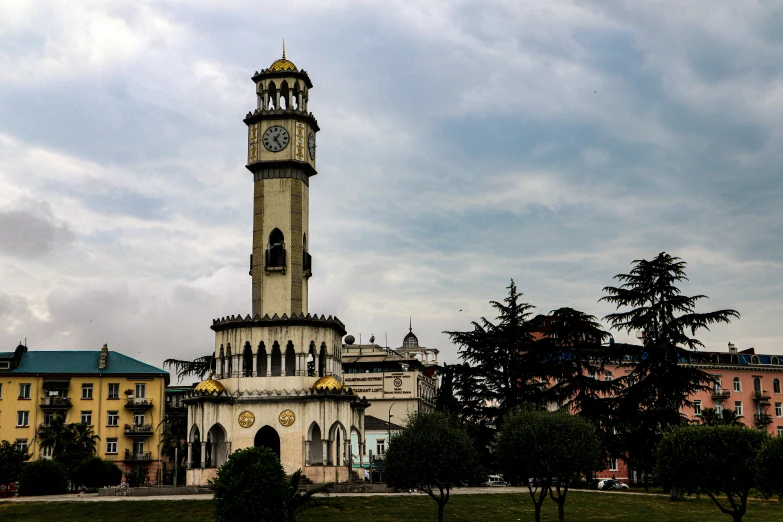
(121, 398)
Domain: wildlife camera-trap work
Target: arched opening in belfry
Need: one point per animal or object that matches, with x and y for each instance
(276, 360)
(290, 359)
(316, 445)
(261, 359)
(295, 98)
(247, 360)
(322, 361)
(272, 96)
(267, 437)
(229, 362)
(285, 94)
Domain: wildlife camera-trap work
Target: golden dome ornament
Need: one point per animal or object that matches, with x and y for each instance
(287, 418)
(246, 419)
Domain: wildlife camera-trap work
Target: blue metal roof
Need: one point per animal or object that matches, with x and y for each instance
(82, 362)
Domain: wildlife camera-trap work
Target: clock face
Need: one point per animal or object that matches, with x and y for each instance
(311, 145)
(275, 138)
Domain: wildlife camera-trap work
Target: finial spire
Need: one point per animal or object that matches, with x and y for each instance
(410, 324)
(283, 48)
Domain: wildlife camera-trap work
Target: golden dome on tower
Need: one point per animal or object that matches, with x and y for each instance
(209, 385)
(328, 382)
(282, 64)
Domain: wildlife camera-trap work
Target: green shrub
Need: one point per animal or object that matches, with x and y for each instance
(97, 473)
(42, 477)
(251, 486)
(137, 476)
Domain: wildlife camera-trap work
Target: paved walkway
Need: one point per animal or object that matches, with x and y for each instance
(93, 497)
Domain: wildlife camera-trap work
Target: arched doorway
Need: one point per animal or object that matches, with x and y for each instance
(267, 437)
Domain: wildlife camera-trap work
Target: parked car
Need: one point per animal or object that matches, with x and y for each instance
(612, 484)
(496, 481)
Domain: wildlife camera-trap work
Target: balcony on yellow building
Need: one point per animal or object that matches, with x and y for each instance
(55, 403)
(139, 430)
(132, 456)
(139, 403)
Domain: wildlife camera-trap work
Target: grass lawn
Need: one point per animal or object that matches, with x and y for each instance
(495, 508)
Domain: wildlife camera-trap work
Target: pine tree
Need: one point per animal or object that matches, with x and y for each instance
(659, 384)
(501, 374)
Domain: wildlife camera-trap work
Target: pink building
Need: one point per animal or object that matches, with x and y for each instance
(746, 382)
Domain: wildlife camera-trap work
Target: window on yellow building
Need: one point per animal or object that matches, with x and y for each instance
(111, 446)
(21, 444)
(113, 418)
(114, 390)
(138, 419)
(86, 417)
(24, 391)
(141, 391)
(86, 391)
(22, 418)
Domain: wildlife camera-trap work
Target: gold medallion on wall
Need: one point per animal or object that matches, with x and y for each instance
(287, 418)
(246, 419)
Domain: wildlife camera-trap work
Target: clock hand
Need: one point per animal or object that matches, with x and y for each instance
(275, 138)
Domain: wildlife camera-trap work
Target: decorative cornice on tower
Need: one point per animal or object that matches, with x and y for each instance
(236, 321)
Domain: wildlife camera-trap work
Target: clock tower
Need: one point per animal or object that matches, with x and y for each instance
(281, 157)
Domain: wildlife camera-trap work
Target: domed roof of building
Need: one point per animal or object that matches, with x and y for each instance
(328, 382)
(410, 338)
(209, 385)
(282, 64)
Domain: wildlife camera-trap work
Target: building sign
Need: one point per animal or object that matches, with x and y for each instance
(401, 383)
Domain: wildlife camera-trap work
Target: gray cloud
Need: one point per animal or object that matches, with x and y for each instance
(32, 231)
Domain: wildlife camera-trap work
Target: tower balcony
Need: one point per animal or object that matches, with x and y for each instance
(139, 430)
(139, 403)
(55, 403)
(275, 258)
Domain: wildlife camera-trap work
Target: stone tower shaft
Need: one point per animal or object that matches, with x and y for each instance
(281, 156)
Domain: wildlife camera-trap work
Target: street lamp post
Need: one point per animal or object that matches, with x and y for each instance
(388, 437)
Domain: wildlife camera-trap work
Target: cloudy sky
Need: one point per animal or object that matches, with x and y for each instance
(462, 144)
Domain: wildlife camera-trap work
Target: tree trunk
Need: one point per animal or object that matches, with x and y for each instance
(538, 511)
(441, 505)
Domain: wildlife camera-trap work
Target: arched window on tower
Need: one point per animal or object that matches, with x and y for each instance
(273, 94)
(290, 359)
(229, 362)
(311, 357)
(285, 94)
(276, 360)
(296, 104)
(222, 362)
(322, 361)
(275, 251)
(247, 361)
(307, 260)
(261, 369)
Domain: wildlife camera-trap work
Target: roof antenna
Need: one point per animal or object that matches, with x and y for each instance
(283, 48)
